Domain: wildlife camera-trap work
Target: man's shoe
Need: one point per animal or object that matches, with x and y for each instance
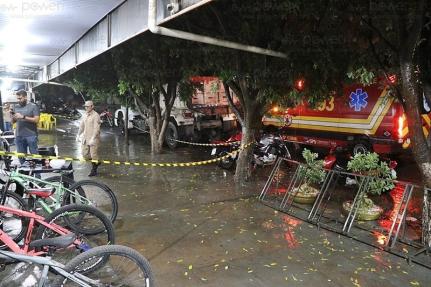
(94, 167)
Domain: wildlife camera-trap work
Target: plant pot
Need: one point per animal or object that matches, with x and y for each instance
(305, 194)
(363, 214)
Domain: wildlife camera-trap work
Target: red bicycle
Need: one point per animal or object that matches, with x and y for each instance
(74, 222)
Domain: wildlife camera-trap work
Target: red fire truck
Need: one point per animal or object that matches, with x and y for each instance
(362, 119)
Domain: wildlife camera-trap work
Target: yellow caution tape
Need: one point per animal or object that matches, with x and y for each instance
(127, 163)
(204, 144)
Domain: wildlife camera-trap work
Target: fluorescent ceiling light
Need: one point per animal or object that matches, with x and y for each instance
(13, 41)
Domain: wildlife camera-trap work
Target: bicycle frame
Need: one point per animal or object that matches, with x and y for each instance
(47, 263)
(34, 218)
(57, 198)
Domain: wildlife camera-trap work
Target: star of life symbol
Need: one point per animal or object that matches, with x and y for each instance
(358, 100)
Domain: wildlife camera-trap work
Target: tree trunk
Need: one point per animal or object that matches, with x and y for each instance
(158, 120)
(421, 151)
(243, 165)
(250, 129)
(126, 124)
(413, 101)
(156, 147)
(170, 97)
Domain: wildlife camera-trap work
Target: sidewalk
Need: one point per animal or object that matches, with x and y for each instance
(199, 229)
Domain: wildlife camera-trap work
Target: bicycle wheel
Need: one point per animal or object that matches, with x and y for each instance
(14, 187)
(67, 181)
(93, 229)
(4, 169)
(124, 267)
(95, 194)
(13, 225)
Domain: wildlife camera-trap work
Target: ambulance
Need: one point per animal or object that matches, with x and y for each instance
(364, 118)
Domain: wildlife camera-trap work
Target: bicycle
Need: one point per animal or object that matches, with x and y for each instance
(57, 191)
(17, 224)
(122, 266)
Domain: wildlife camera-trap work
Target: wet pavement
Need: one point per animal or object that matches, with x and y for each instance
(198, 228)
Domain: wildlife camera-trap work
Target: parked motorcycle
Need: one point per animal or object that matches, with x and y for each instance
(106, 118)
(265, 152)
(64, 110)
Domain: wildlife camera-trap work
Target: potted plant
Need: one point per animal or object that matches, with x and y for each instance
(382, 179)
(313, 174)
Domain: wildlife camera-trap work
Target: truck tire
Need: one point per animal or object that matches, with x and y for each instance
(171, 135)
(361, 147)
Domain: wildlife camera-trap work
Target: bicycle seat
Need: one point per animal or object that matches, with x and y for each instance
(57, 242)
(41, 192)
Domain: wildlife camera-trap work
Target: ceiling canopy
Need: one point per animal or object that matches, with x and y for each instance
(33, 33)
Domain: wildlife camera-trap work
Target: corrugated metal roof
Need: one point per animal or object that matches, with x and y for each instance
(33, 33)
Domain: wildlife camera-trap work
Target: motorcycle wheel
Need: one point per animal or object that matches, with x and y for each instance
(110, 121)
(227, 163)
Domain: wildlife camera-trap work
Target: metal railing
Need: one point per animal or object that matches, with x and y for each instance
(403, 215)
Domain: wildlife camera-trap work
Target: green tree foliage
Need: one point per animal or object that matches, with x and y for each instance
(369, 164)
(152, 69)
(307, 32)
(95, 78)
(143, 72)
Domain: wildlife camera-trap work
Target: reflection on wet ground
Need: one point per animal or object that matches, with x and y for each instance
(198, 228)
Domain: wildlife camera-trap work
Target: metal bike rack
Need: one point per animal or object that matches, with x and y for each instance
(426, 224)
(274, 171)
(400, 216)
(320, 205)
(363, 187)
(282, 185)
(297, 180)
(275, 180)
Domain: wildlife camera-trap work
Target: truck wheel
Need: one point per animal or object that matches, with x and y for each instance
(361, 147)
(171, 135)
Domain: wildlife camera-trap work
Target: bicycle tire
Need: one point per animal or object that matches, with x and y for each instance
(67, 181)
(19, 189)
(20, 204)
(62, 212)
(106, 201)
(4, 169)
(107, 274)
